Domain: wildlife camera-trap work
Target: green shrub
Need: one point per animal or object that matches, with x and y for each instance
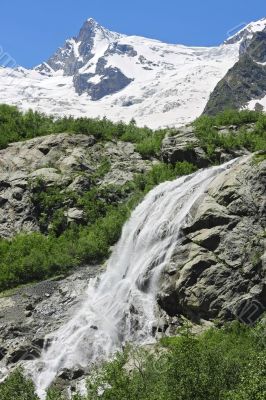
(251, 139)
(151, 145)
(16, 125)
(220, 364)
(17, 387)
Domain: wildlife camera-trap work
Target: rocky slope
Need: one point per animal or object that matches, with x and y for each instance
(33, 312)
(66, 161)
(244, 84)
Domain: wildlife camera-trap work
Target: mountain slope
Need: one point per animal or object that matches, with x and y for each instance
(245, 83)
(103, 73)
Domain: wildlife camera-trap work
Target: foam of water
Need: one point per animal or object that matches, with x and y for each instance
(120, 306)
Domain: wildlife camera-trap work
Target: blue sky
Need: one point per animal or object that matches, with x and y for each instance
(31, 30)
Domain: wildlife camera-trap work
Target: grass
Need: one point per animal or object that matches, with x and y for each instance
(258, 158)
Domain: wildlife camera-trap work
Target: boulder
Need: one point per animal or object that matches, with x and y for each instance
(49, 176)
(184, 146)
(74, 215)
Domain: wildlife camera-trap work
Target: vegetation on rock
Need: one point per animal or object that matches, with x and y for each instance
(224, 364)
(62, 243)
(250, 132)
(16, 126)
(61, 246)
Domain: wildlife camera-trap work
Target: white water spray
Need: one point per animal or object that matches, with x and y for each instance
(120, 307)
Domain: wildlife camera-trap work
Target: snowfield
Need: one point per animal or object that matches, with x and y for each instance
(170, 84)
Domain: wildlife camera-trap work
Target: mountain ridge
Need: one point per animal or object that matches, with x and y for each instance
(103, 73)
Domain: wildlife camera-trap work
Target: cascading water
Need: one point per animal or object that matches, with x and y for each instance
(120, 306)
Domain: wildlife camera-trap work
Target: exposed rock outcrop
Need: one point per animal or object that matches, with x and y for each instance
(219, 270)
(183, 145)
(33, 312)
(64, 160)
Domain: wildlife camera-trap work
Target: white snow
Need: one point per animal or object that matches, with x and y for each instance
(171, 83)
(260, 63)
(75, 46)
(252, 103)
(249, 30)
(257, 26)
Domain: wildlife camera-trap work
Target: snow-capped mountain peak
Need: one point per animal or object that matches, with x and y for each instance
(77, 51)
(248, 31)
(104, 73)
(92, 28)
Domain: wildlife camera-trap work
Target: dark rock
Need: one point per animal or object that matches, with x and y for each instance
(70, 375)
(23, 353)
(28, 314)
(112, 81)
(3, 201)
(29, 307)
(3, 352)
(94, 327)
(245, 81)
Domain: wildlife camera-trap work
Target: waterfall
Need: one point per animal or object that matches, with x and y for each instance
(120, 305)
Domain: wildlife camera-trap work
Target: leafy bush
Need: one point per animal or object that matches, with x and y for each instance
(16, 126)
(225, 364)
(216, 365)
(32, 257)
(151, 145)
(17, 387)
(163, 172)
(252, 139)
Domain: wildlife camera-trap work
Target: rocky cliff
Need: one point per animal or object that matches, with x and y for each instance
(219, 271)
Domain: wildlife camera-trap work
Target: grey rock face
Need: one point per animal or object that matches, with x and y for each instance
(77, 51)
(184, 146)
(125, 49)
(112, 81)
(31, 313)
(219, 269)
(65, 161)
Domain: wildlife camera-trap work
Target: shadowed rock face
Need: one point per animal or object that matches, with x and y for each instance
(184, 146)
(219, 270)
(112, 80)
(244, 82)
